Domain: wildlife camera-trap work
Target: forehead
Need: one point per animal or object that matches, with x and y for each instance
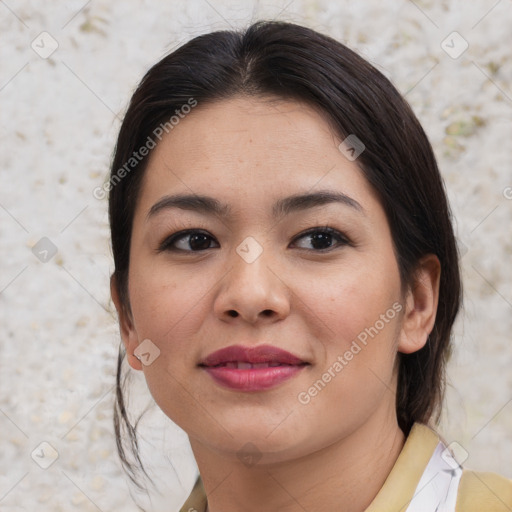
(250, 149)
(264, 116)
(242, 126)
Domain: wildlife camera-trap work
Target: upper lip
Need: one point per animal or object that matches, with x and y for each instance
(257, 354)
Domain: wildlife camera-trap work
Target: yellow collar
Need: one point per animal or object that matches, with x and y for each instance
(398, 489)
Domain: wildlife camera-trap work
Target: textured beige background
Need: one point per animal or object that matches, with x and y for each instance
(59, 117)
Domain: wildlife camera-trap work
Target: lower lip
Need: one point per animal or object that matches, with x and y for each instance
(253, 379)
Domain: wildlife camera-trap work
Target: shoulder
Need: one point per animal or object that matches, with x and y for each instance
(196, 502)
(480, 491)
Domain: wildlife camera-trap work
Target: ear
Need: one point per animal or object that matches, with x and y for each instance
(420, 305)
(126, 328)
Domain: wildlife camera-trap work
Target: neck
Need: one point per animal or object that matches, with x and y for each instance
(346, 474)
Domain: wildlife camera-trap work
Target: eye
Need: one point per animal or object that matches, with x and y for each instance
(190, 239)
(321, 237)
(196, 241)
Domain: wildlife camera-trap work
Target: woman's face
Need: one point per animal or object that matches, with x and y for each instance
(253, 277)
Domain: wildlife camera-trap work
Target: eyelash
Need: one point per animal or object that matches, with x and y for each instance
(166, 244)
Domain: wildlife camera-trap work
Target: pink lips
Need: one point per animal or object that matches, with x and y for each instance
(252, 368)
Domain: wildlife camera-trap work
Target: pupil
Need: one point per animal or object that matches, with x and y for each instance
(320, 237)
(195, 238)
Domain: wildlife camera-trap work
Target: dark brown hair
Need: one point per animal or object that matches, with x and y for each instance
(289, 61)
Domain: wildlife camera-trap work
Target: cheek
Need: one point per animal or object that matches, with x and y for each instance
(355, 300)
(167, 305)
(360, 312)
(168, 308)
(354, 376)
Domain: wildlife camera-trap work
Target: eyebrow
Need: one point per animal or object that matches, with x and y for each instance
(282, 207)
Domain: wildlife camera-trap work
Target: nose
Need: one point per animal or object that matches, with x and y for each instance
(252, 290)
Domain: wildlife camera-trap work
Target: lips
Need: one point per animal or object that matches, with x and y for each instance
(252, 369)
(241, 357)
(244, 365)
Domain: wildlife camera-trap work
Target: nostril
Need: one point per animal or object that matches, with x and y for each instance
(233, 313)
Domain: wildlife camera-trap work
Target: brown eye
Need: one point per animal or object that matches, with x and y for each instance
(322, 237)
(189, 241)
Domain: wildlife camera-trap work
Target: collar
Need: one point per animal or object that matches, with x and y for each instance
(422, 448)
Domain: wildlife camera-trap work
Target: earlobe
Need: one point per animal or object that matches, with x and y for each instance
(421, 305)
(126, 327)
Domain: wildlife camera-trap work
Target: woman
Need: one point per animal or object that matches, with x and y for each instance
(286, 277)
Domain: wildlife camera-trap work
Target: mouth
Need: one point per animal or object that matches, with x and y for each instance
(242, 376)
(260, 356)
(252, 368)
(244, 365)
